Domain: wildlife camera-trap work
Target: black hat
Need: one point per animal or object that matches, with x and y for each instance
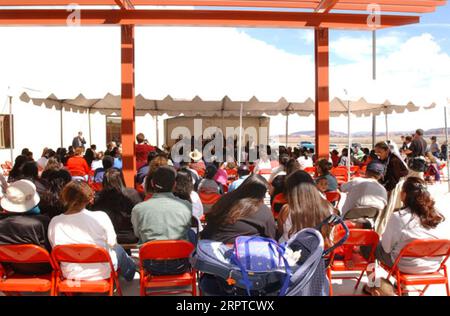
(163, 179)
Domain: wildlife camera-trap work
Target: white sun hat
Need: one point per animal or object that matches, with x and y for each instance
(20, 197)
(196, 155)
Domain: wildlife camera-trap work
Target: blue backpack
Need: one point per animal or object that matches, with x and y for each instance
(259, 255)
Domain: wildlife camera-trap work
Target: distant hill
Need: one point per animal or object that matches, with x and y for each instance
(430, 132)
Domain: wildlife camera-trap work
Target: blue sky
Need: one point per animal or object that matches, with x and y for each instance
(292, 40)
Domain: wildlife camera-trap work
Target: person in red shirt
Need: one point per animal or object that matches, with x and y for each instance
(77, 165)
(142, 149)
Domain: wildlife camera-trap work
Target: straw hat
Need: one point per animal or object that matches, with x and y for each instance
(196, 155)
(20, 197)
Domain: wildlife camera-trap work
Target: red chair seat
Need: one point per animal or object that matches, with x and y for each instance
(155, 281)
(100, 286)
(357, 262)
(429, 278)
(26, 283)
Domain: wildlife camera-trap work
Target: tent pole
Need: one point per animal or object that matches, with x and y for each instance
(387, 126)
(374, 130)
(157, 129)
(240, 135)
(349, 139)
(287, 127)
(446, 140)
(11, 132)
(90, 127)
(61, 126)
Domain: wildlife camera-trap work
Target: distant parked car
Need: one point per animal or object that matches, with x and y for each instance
(306, 145)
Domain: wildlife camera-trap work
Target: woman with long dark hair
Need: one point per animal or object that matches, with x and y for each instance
(241, 212)
(16, 171)
(184, 189)
(117, 201)
(306, 208)
(54, 181)
(418, 219)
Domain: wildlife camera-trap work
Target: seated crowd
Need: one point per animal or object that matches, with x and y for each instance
(79, 197)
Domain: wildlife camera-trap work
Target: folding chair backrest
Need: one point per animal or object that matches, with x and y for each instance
(265, 171)
(26, 253)
(422, 248)
(339, 171)
(362, 212)
(165, 250)
(80, 254)
(209, 198)
(359, 237)
(333, 196)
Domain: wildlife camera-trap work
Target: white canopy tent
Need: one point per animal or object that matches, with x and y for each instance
(111, 104)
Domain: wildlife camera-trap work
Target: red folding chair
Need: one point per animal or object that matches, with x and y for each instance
(208, 199)
(265, 171)
(278, 201)
(422, 248)
(11, 282)
(353, 261)
(341, 174)
(96, 186)
(232, 174)
(311, 170)
(334, 197)
(354, 170)
(166, 250)
(83, 254)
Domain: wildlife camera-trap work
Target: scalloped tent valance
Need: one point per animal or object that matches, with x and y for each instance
(110, 104)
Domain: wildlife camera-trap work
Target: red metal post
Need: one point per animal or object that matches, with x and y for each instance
(128, 104)
(322, 93)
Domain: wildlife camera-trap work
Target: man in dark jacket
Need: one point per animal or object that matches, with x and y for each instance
(416, 155)
(78, 141)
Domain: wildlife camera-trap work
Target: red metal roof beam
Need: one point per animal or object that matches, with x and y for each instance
(229, 18)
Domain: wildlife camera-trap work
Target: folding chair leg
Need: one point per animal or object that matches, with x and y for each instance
(194, 284)
(329, 281)
(399, 287)
(424, 289)
(359, 279)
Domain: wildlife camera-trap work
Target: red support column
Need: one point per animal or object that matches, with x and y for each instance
(322, 93)
(128, 104)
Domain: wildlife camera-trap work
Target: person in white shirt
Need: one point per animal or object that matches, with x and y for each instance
(42, 162)
(263, 163)
(97, 162)
(366, 191)
(281, 169)
(419, 219)
(304, 160)
(80, 226)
